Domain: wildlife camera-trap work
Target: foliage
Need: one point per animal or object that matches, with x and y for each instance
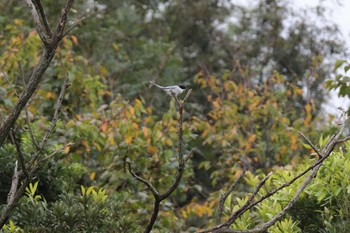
(256, 83)
(341, 80)
(92, 211)
(253, 125)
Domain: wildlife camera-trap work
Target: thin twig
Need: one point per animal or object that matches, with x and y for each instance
(74, 25)
(19, 153)
(30, 128)
(56, 152)
(148, 184)
(63, 20)
(14, 184)
(310, 144)
(26, 109)
(224, 196)
(48, 132)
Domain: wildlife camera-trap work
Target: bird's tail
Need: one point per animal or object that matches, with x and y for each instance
(155, 84)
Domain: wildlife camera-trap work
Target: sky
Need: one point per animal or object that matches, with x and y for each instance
(338, 11)
(340, 14)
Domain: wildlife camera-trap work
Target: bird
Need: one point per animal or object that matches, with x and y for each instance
(174, 90)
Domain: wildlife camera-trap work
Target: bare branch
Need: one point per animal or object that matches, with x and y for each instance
(37, 22)
(343, 140)
(30, 129)
(56, 152)
(14, 184)
(148, 184)
(63, 20)
(74, 25)
(26, 110)
(65, 85)
(224, 196)
(310, 144)
(42, 13)
(188, 94)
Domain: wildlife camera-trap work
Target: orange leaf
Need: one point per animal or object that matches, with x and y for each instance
(104, 126)
(75, 40)
(145, 132)
(50, 95)
(132, 111)
(67, 149)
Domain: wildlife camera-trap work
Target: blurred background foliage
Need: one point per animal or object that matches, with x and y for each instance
(257, 75)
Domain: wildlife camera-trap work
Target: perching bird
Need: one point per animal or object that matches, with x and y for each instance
(171, 90)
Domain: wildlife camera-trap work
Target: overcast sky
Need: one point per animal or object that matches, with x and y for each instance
(338, 11)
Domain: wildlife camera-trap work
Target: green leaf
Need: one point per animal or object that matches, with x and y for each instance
(346, 68)
(338, 63)
(82, 190)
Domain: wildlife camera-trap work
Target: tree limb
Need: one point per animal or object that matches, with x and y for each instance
(63, 20)
(158, 198)
(38, 24)
(42, 14)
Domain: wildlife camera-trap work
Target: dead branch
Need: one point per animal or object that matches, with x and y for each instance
(14, 184)
(158, 197)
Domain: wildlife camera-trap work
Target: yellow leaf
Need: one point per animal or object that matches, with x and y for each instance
(138, 103)
(250, 94)
(299, 91)
(169, 142)
(110, 139)
(308, 108)
(128, 140)
(86, 145)
(135, 126)
(67, 149)
(50, 95)
(152, 150)
(145, 132)
(132, 111)
(92, 176)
